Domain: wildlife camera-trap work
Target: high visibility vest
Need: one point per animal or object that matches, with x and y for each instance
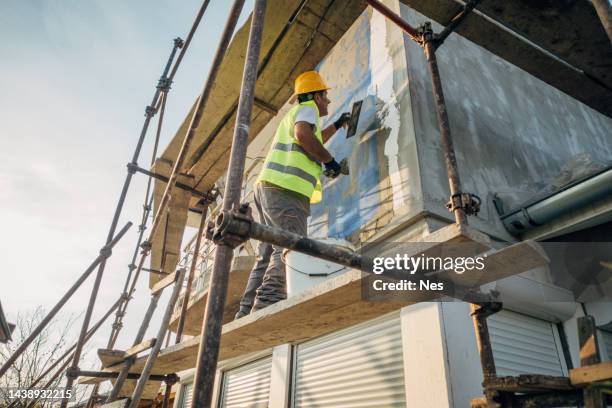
(288, 165)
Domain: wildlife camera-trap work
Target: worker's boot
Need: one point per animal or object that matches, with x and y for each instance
(241, 313)
(258, 305)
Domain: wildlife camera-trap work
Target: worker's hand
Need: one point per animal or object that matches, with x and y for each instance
(342, 120)
(332, 169)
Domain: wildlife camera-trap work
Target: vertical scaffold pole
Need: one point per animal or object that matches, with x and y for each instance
(445, 133)
(196, 252)
(163, 328)
(208, 352)
(425, 37)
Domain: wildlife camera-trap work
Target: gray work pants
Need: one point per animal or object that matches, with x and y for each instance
(276, 207)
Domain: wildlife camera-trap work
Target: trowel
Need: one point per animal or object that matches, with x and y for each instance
(352, 124)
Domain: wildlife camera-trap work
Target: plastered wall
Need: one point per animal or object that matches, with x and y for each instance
(513, 133)
(369, 64)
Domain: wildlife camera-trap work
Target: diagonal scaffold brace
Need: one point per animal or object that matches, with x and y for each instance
(133, 167)
(163, 85)
(171, 181)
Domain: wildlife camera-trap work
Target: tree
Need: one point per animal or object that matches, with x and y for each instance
(50, 345)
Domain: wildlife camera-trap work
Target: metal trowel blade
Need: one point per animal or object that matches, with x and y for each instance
(352, 125)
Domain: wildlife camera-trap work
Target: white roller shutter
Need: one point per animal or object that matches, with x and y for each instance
(186, 395)
(247, 385)
(358, 367)
(524, 345)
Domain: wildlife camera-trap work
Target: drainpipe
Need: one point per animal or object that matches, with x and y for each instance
(546, 209)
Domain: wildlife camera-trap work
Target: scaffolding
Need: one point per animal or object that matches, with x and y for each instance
(234, 225)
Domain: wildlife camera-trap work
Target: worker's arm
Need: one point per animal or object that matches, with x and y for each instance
(304, 133)
(333, 128)
(328, 132)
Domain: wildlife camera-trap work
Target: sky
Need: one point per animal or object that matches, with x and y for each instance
(75, 77)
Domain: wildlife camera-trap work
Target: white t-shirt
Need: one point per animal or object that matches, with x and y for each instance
(307, 114)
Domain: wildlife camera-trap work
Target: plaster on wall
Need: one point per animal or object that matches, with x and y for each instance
(512, 132)
(369, 64)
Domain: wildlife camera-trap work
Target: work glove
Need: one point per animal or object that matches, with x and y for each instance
(332, 169)
(342, 120)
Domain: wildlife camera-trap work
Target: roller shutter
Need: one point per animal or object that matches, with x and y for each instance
(186, 395)
(524, 345)
(358, 367)
(247, 385)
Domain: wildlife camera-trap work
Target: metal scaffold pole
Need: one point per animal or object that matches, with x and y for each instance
(196, 252)
(166, 80)
(460, 203)
(446, 139)
(208, 352)
(163, 328)
(195, 120)
(148, 203)
(184, 46)
(150, 111)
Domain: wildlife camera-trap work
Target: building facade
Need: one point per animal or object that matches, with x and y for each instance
(516, 138)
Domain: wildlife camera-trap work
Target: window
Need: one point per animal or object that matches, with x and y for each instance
(186, 395)
(525, 345)
(247, 385)
(361, 366)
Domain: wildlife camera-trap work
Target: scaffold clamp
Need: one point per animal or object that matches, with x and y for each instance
(231, 227)
(468, 202)
(106, 252)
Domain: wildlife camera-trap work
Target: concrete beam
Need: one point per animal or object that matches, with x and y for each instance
(569, 29)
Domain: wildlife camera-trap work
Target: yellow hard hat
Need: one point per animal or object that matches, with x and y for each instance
(309, 81)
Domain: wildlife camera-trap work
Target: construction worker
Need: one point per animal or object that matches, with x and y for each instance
(288, 183)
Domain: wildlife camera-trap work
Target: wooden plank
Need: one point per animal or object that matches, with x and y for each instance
(587, 338)
(132, 351)
(164, 283)
(597, 372)
(334, 304)
(150, 392)
(111, 357)
(529, 383)
(589, 355)
(120, 403)
(91, 380)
